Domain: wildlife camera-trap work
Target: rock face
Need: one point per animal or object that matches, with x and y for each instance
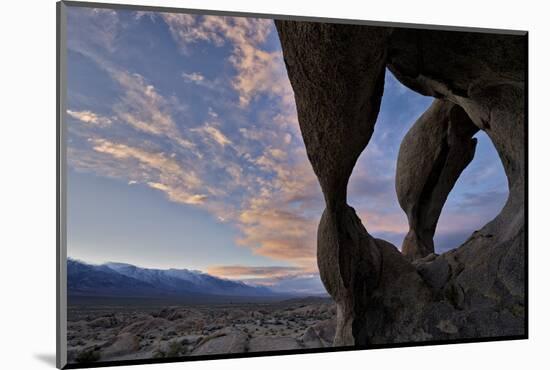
(145, 326)
(264, 344)
(338, 88)
(478, 80)
(235, 341)
(326, 330)
(432, 156)
(228, 341)
(311, 339)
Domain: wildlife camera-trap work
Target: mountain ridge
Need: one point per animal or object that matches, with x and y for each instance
(127, 280)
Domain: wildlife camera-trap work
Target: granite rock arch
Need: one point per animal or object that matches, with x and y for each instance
(382, 295)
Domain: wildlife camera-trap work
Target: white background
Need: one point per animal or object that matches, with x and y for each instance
(27, 183)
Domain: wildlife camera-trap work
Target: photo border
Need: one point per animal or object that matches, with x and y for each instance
(61, 183)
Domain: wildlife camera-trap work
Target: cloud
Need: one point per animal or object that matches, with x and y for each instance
(280, 220)
(306, 284)
(258, 71)
(211, 132)
(196, 77)
(154, 169)
(277, 232)
(92, 29)
(140, 104)
(143, 108)
(483, 199)
(140, 14)
(185, 30)
(366, 182)
(446, 241)
(87, 116)
(177, 195)
(288, 279)
(243, 272)
(189, 29)
(384, 222)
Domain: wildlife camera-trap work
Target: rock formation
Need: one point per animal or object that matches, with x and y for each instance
(432, 156)
(338, 89)
(226, 341)
(478, 80)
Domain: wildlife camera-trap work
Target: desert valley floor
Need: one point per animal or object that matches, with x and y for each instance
(127, 331)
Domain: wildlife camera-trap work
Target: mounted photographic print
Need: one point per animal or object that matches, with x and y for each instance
(235, 185)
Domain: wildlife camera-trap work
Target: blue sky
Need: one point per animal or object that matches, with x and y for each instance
(184, 151)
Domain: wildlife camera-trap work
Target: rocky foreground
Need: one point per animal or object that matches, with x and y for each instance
(109, 334)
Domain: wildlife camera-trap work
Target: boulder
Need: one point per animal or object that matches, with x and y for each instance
(103, 322)
(177, 313)
(145, 326)
(124, 344)
(266, 344)
(432, 155)
(236, 314)
(326, 330)
(222, 342)
(311, 339)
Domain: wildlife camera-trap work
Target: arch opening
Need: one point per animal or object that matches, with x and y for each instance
(476, 198)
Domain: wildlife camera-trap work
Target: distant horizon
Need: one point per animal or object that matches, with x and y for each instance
(245, 281)
(275, 289)
(148, 267)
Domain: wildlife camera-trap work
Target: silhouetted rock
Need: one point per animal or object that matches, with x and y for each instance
(337, 73)
(382, 296)
(433, 154)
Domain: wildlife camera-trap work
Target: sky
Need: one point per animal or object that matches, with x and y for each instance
(184, 151)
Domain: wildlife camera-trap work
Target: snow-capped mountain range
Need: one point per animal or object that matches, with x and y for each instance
(125, 280)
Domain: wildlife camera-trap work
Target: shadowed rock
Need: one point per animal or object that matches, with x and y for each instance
(326, 330)
(485, 75)
(338, 88)
(433, 154)
(311, 339)
(337, 73)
